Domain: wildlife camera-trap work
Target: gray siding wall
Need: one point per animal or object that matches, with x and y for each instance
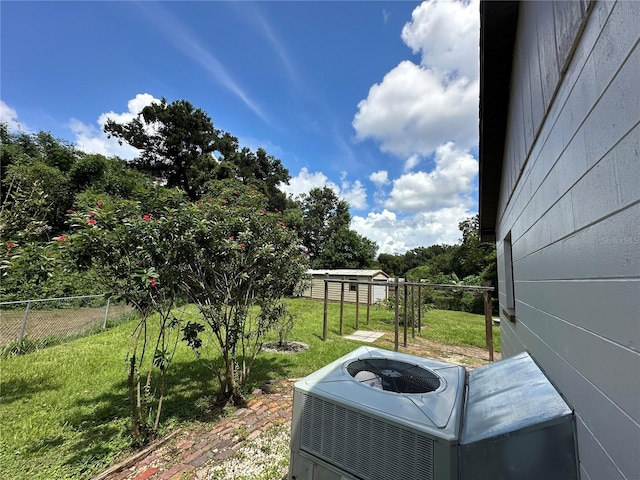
(570, 197)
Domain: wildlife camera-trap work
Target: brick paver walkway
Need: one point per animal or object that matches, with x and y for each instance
(189, 454)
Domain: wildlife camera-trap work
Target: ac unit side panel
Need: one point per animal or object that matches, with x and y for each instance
(531, 454)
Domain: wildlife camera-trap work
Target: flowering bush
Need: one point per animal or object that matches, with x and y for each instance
(238, 268)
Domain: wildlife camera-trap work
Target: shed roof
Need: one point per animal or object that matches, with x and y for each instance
(498, 22)
(348, 272)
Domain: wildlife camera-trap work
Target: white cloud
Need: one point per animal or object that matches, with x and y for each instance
(305, 181)
(396, 236)
(447, 35)
(411, 162)
(411, 111)
(9, 116)
(381, 177)
(352, 192)
(415, 108)
(448, 184)
(92, 139)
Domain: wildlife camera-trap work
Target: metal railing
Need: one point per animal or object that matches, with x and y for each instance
(61, 317)
(408, 306)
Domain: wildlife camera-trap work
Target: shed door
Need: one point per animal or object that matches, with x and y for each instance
(380, 292)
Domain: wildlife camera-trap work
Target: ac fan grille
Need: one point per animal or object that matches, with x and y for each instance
(364, 446)
(394, 375)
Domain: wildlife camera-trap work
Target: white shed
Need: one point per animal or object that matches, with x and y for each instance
(376, 293)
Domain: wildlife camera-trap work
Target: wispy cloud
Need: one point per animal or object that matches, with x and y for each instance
(277, 45)
(183, 39)
(9, 116)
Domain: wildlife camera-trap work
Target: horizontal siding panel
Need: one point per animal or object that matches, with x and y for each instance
(610, 246)
(568, 16)
(617, 106)
(619, 36)
(610, 309)
(612, 369)
(593, 457)
(615, 431)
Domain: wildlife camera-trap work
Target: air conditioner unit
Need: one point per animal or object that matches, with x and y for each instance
(380, 415)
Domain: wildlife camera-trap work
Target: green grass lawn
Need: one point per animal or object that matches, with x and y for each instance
(64, 410)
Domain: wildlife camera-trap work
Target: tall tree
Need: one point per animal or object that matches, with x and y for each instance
(258, 170)
(177, 143)
(323, 214)
(347, 249)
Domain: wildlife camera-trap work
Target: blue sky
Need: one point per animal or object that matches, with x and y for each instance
(378, 100)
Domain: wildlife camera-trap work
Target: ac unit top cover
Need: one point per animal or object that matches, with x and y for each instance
(355, 381)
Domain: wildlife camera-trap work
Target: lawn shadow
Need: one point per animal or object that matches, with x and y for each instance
(190, 396)
(17, 389)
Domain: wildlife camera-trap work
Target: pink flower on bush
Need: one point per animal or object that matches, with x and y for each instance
(147, 217)
(61, 238)
(92, 221)
(100, 204)
(10, 244)
(91, 214)
(241, 245)
(262, 212)
(153, 282)
(69, 211)
(231, 238)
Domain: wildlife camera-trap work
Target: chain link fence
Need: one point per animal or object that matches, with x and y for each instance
(56, 319)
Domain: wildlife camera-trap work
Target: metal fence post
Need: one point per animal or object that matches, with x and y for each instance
(106, 314)
(413, 313)
(397, 315)
(488, 322)
(404, 312)
(24, 323)
(368, 302)
(341, 304)
(326, 300)
(357, 305)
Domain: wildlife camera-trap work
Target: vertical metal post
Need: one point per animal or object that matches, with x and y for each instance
(488, 322)
(24, 323)
(357, 305)
(106, 314)
(326, 300)
(368, 302)
(341, 304)
(413, 313)
(419, 309)
(405, 315)
(397, 315)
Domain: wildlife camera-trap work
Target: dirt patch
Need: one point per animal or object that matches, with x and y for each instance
(285, 347)
(470, 357)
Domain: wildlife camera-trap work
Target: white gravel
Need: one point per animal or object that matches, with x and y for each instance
(264, 458)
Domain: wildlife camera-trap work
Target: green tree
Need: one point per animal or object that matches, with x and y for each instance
(323, 214)
(176, 142)
(263, 172)
(242, 261)
(138, 254)
(474, 257)
(391, 264)
(347, 249)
